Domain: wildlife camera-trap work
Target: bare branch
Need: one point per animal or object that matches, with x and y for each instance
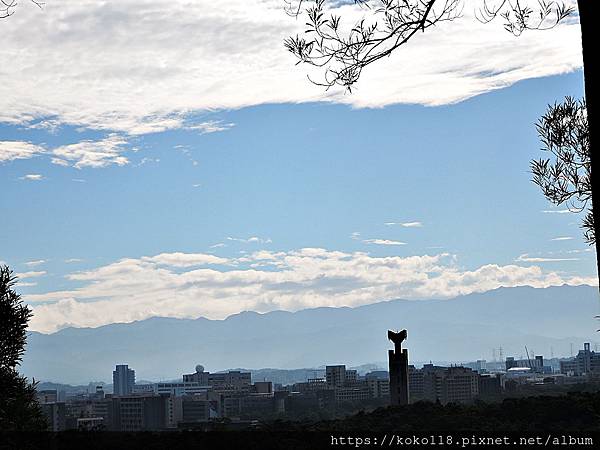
(518, 18)
(7, 7)
(343, 52)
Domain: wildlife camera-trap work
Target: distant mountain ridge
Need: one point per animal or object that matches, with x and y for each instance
(461, 329)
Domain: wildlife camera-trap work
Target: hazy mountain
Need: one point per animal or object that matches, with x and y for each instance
(461, 329)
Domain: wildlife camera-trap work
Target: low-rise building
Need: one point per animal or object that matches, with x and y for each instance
(585, 363)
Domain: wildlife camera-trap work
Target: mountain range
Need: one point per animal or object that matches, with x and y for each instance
(466, 328)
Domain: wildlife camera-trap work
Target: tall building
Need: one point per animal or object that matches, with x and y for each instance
(398, 365)
(55, 415)
(444, 384)
(123, 380)
(587, 362)
(461, 385)
(335, 376)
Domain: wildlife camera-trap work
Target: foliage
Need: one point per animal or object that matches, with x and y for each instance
(19, 409)
(565, 180)
(568, 413)
(14, 316)
(343, 52)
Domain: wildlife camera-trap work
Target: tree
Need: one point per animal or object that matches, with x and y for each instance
(565, 134)
(7, 7)
(343, 53)
(19, 409)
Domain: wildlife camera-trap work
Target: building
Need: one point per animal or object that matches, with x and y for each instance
(55, 415)
(90, 423)
(353, 393)
(443, 384)
(378, 388)
(47, 396)
(490, 385)
(195, 409)
(586, 363)
(178, 389)
(310, 385)
(536, 364)
(398, 366)
(378, 383)
(144, 389)
(123, 380)
(200, 376)
(263, 387)
(335, 376)
(97, 393)
(138, 413)
(480, 365)
(234, 380)
(460, 385)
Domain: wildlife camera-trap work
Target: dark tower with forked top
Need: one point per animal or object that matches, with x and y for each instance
(398, 365)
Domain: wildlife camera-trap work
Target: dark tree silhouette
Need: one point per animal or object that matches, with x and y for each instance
(343, 52)
(565, 180)
(19, 409)
(7, 7)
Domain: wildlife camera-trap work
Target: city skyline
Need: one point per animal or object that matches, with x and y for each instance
(203, 398)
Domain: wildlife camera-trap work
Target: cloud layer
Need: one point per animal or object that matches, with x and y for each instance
(142, 66)
(87, 153)
(192, 285)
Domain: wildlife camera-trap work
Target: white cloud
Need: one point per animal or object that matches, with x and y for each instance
(94, 154)
(556, 211)
(73, 260)
(133, 289)
(50, 125)
(585, 250)
(406, 224)
(383, 242)
(537, 259)
(185, 259)
(211, 126)
(250, 240)
(11, 150)
(562, 238)
(38, 262)
(32, 177)
(30, 274)
(125, 76)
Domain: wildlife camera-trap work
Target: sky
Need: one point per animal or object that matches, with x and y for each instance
(170, 159)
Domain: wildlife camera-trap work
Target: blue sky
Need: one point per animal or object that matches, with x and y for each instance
(305, 176)
(302, 204)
